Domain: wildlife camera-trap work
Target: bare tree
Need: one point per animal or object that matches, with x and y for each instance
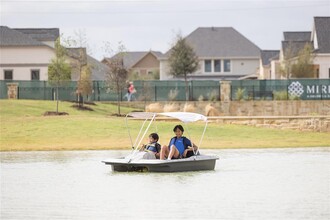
(287, 61)
(117, 75)
(78, 47)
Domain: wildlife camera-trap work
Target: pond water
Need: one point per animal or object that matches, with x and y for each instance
(246, 184)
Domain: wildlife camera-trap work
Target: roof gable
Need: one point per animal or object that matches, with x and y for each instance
(221, 42)
(147, 61)
(132, 58)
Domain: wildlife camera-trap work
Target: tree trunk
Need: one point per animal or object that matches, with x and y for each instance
(57, 99)
(118, 104)
(186, 87)
(118, 98)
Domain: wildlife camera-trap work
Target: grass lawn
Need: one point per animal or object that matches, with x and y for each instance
(23, 127)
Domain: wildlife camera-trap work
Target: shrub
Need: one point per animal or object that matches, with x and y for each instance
(239, 95)
(173, 94)
(212, 96)
(283, 95)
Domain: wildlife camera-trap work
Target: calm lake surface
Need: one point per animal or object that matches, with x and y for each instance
(246, 184)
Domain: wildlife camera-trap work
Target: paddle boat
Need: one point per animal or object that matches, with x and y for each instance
(139, 160)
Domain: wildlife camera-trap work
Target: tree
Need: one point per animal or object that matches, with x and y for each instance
(304, 68)
(286, 64)
(59, 71)
(85, 85)
(298, 63)
(77, 47)
(117, 74)
(183, 60)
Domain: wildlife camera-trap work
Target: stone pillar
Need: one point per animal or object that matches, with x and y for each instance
(12, 90)
(225, 91)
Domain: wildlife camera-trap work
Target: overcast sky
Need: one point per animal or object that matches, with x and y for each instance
(143, 25)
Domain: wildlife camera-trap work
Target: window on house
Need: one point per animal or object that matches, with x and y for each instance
(207, 65)
(217, 65)
(35, 74)
(8, 74)
(226, 65)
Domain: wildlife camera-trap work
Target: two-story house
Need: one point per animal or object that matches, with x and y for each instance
(321, 42)
(294, 42)
(26, 53)
(223, 52)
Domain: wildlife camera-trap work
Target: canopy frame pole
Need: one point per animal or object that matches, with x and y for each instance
(192, 143)
(200, 141)
(128, 130)
(138, 136)
(146, 130)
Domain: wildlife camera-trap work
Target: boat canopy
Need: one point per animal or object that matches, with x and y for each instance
(185, 117)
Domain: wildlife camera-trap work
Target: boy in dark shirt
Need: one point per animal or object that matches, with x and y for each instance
(153, 145)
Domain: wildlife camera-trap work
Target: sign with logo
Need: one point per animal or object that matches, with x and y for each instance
(309, 91)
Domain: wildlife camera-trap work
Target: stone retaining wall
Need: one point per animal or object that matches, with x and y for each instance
(244, 108)
(301, 123)
(295, 114)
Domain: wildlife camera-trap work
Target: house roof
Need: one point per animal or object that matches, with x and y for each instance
(41, 34)
(297, 36)
(131, 58)
(268, 55)
(99, 69)
(322, 28)
(11, 37)
(74, 52)
(220, 42)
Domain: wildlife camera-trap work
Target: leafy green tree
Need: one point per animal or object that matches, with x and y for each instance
(183, 60)
(117, 74)
(298, 64)
(304, 68)
(59, 71)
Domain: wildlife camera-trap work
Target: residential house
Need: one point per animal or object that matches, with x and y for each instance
(294, 42)
(23, 56)
(140, 65)
(321, 42)
(267, 56)
(223, 52)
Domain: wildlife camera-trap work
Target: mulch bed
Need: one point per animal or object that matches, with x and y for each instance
(83, 108)
(52, 113)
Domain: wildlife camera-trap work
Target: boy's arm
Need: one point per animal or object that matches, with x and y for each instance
(190, 143)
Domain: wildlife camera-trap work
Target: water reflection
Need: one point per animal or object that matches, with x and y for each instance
(246, 184)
